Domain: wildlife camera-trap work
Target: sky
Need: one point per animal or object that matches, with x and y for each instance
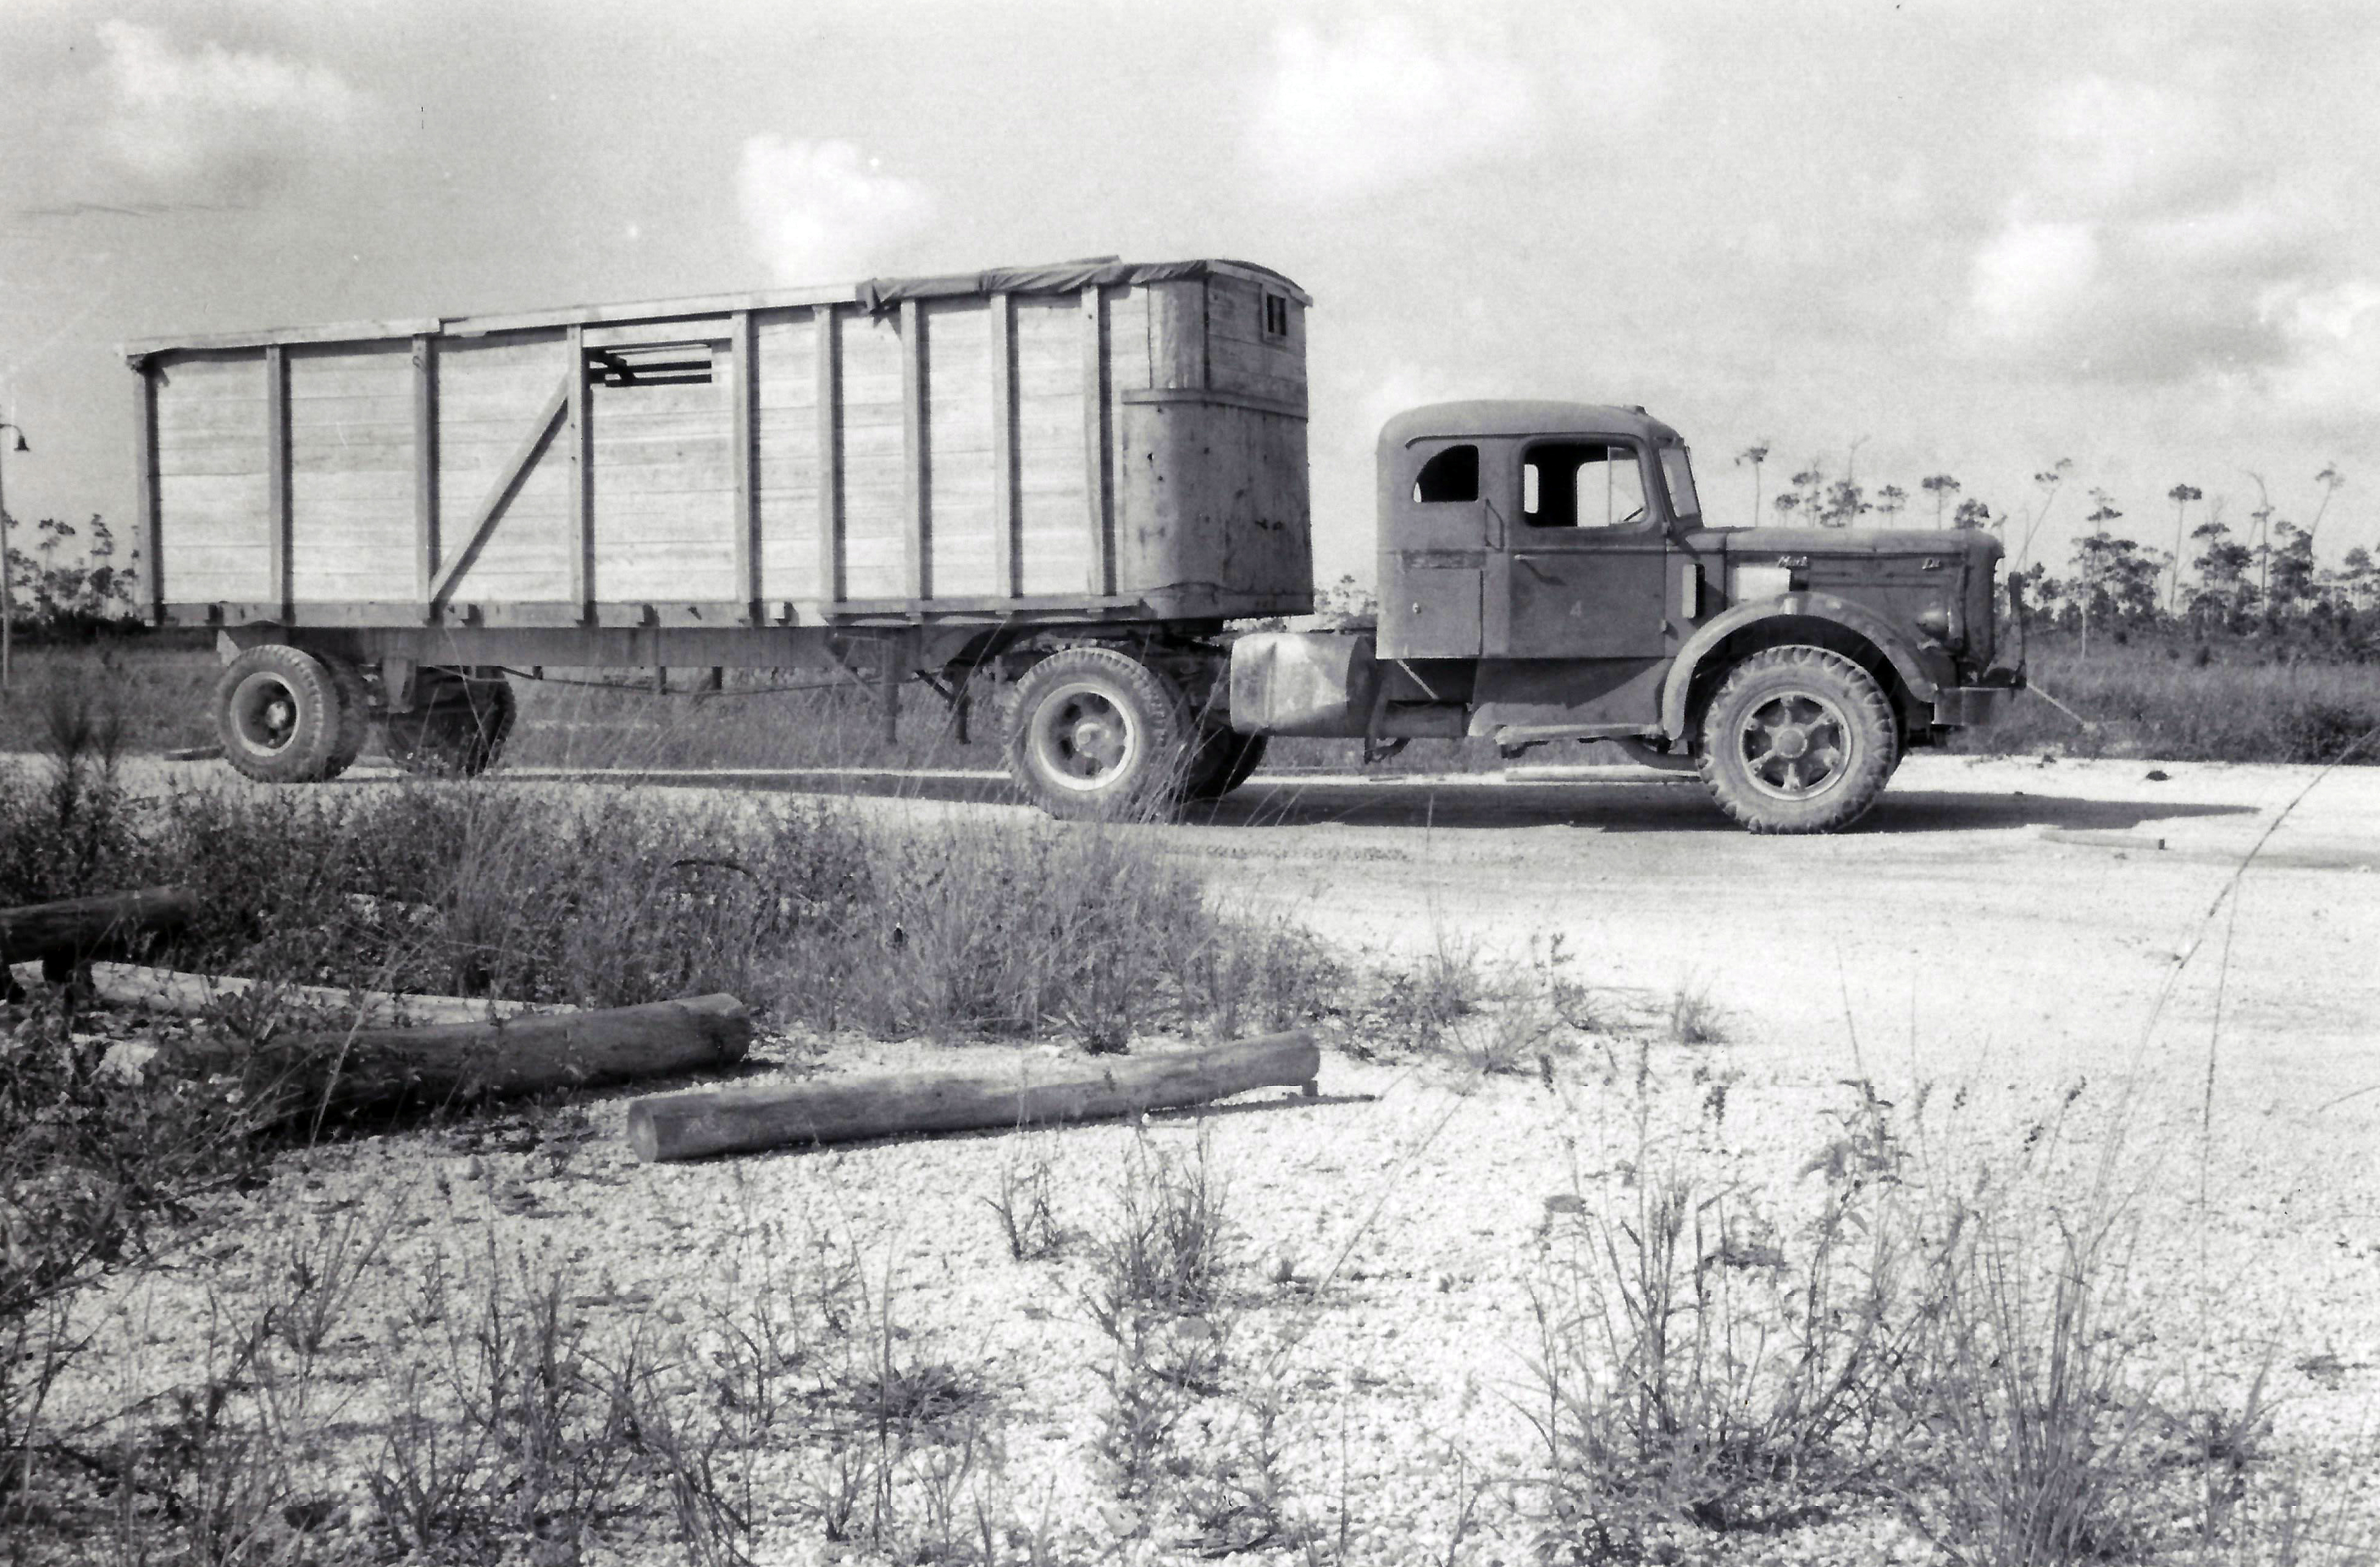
(1896, 240)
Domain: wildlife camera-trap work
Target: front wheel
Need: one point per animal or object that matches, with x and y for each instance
(1097, 734)
(1798, 740)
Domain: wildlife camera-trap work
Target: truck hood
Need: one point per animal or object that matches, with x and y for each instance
(1759, 545)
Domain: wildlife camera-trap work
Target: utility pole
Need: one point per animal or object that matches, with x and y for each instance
(7, 587)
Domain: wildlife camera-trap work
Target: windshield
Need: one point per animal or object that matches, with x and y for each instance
(1679, 474)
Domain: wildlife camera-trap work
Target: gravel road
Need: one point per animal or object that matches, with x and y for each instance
(2011, 918)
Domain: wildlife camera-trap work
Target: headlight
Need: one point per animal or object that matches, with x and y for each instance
(1935, 623)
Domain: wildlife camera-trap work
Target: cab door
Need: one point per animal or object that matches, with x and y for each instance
(1434, 553)
(1582, 573)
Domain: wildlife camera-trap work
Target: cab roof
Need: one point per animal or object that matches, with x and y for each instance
(1483, 417)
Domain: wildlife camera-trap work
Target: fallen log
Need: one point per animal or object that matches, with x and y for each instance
(61, 935)
(75, 928)
(690, 1125)
(299, 1075)
(188, 995)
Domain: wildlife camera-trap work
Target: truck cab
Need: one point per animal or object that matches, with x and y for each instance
(1547, 576)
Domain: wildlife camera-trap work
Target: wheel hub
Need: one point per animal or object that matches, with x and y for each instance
(1084, 738)
(266, 714)
(1794, 745)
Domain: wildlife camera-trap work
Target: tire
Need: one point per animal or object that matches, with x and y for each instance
(1798, 740)
(457, 727)
(278, 712)
(355, 714)
(1097, 734)
(1220, 762)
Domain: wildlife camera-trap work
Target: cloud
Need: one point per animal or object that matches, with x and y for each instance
(2331, 369)
(179, 117)
(2030, 275)
(2128, 149)
(819, 214)
(2146, 238)
(1349, 112)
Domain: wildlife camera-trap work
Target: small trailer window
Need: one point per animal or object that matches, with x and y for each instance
(1581, 484)
(649, 364)
(1276, 308)
(1452, 475)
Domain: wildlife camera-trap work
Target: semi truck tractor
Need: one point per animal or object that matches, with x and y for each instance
(1069, 487)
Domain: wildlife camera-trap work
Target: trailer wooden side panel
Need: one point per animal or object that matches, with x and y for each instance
(960, 484)
(1053, 541)
(786, 431)
(212, 483)
(1108, 438)
(351, 457)
(664, 481)
(495, 399)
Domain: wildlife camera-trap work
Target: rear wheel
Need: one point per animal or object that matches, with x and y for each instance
(355, 714)
(1097, 734)
(1798, 740)
(458, 725)
(280, 715)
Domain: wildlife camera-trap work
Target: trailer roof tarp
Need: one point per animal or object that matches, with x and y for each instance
(880, 293)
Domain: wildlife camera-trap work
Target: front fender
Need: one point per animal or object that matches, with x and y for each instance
(1897, 649)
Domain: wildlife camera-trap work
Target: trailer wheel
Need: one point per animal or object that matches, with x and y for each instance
(1798, 740)
(279, 714)
(1097, 734)
(457, 727)
(1220, 760)
(355, 714)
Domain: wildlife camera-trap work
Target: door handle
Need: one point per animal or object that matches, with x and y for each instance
(1540, 573)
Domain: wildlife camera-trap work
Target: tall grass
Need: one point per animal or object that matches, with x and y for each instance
(2176, 702)
(602, 897)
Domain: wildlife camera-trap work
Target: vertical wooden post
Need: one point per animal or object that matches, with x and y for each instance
(576, 429)
(917, 500)
(148, 519)
(830, 426)
(1095, 440)
(1007, 579)
(425, 468)
(716, 680)
(889, 675)
(743, 389)
(278, 591)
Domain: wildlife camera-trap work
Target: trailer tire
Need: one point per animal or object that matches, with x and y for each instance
(355, 714)
(1798, 739)
(279, 713)
(1220, 760)
(1098, 734)
(457, 727)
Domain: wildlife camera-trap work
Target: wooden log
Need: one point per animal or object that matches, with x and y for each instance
(61, 935)
(392, 1068)
(690, 1125)
(163, 990)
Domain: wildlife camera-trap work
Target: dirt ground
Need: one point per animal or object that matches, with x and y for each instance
(2022, 935)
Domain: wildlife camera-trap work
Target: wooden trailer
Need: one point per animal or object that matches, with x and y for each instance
(943, 477)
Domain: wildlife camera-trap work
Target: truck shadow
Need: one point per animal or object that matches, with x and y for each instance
(1663, 807)
(1615, 805)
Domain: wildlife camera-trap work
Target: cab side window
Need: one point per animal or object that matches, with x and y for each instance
(1581, 485)
(1452, 475)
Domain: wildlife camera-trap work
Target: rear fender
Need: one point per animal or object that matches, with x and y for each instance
(1840, 616)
